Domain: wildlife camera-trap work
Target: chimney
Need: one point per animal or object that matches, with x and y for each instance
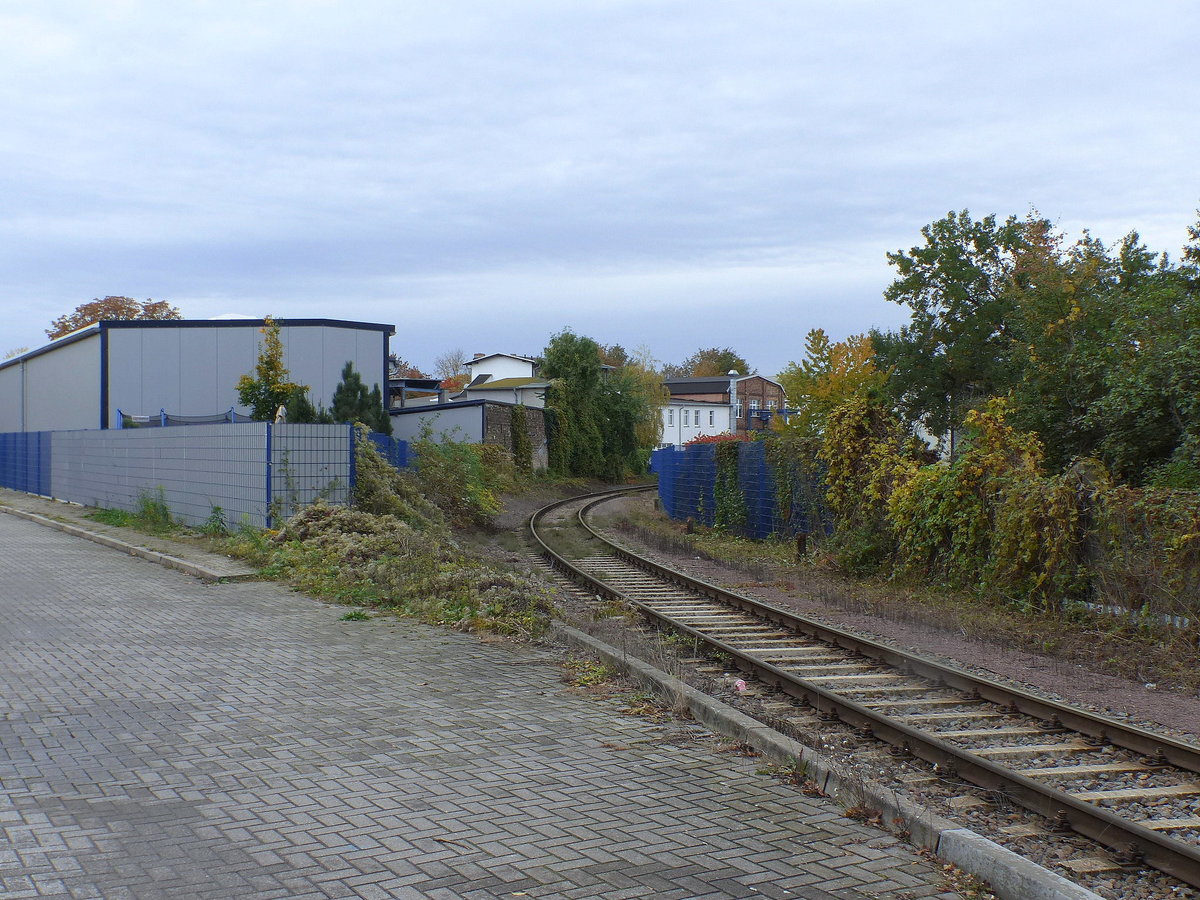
(479, 356)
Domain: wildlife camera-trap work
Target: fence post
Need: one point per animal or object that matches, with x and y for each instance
(270, 499)
(353, 466)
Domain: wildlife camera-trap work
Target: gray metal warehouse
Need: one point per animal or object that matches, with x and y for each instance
(188, 367)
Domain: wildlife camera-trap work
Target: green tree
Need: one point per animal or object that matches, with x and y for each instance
(268, 388)
(110, 308)
(1097, 348)
(352, 402)
(826, 377)
(957, 348)
(599, 421)
(646, 382)
(1062, 318)
(1149, 414)
(301, 411)
(613, 355)
(712, 362)
(571, 364)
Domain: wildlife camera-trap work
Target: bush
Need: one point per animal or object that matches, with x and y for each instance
(1146, 550)
(381, 489)
(354, 556)
(462, 479)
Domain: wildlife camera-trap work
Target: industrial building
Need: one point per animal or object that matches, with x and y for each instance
(187, 367)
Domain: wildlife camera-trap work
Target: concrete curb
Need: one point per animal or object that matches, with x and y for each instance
(163, 559)
(1011, 877)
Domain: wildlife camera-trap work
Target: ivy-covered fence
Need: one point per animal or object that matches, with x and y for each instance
(738, 487)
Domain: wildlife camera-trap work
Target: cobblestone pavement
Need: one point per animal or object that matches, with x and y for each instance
(72, 514)
(160, 737)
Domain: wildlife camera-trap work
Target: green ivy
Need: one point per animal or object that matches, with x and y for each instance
(730, 514)
(522, 446)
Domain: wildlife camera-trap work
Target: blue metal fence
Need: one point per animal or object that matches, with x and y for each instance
(394, 450)
(687, 478)
(25, 461)
(252, 468)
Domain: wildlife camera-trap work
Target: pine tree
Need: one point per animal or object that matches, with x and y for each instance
(352, 402)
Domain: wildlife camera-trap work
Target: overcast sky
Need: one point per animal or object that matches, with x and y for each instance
(670, 174)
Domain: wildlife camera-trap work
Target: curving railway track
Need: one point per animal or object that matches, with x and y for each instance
(1127, 788)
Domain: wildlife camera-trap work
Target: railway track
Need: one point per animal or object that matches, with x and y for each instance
(1131, 790)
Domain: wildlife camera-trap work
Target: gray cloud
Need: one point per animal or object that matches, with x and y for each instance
(678, 174)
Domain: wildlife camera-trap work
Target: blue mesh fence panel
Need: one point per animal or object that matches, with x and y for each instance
(687, 479)
(662, 464)
(394, 450)
(758, 489)
(695, 497)
(25, 461)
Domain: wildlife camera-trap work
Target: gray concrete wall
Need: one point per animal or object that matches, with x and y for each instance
(198, 467)
(464, 423)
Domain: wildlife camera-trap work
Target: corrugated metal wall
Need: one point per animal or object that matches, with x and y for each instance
(194, 370)
(54, 390)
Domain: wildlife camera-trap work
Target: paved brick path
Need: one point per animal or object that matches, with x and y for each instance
(72, 514)
(164, 738)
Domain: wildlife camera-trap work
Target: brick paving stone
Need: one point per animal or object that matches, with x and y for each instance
(160, 737)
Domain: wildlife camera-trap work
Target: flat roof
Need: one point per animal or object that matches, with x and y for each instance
(107, 324)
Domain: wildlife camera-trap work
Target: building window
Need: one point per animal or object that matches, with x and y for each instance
(739, 408)
(753, 404)
(670, 417)
(711, 417)
(770, 404)
(685, 418)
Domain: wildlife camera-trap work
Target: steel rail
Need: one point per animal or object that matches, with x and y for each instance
(1132, 842)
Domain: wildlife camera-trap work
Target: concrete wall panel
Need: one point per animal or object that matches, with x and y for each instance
(196, 467)
(464, 423)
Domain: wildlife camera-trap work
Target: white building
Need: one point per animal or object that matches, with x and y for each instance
(686, 420)
(187, 367)
(501, 365)
(505, 378)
